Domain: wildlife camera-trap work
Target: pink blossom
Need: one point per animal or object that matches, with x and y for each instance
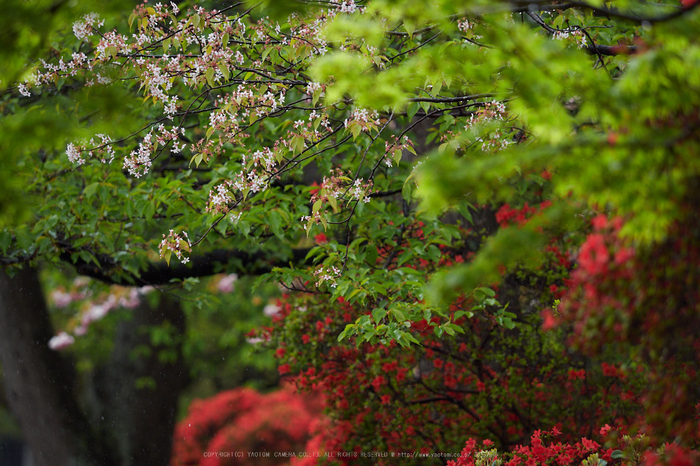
(60, 298)
(270, 310)
(61, 341)
(225, 285)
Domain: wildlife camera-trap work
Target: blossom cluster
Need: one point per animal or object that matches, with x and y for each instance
(243, 104)
(573, 33)
(156, 78)
(327, 274)
(138, 162)
(259, 170)
(394, 150)
(340, 186)
(314, 87)
(75, 152)
(175, 244)
(97, 311)
(490, 140)
(226, 283)
(86, 27)
(93, 308)
(61, 341)
(464, 25)
(365, 120)
(220, 197)
(494, 142)
(22, 88)
(490, 111)
(308, 33)
(346, 6)
(333, 191)
(52, 72)
(264, 158)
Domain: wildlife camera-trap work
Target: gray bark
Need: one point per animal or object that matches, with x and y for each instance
(38, 380)
(138, 422)
(116, 423)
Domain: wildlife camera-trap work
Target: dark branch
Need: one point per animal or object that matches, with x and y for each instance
(159, 273)
(451, 99)
(592, 48)
(615, 13)
(609, 50)
(531, 6)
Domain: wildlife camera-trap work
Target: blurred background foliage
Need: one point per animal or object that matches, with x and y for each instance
(220, 311)
(25, 36)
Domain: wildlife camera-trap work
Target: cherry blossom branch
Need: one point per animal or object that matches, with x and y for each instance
(372, 140)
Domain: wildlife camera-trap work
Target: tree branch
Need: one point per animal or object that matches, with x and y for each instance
(610, 50)
(159, 273)
(615, 13)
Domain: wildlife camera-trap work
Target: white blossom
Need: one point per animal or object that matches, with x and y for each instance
(24, 91)
(84, 29)
(61, 341)
(74, 154)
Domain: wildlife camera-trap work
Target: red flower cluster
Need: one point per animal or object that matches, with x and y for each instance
(375, 391)
(244, 420)
(597, 273)
(507, 215)
(647, 299)
(543, 450)
(673, 455)
(538, 452)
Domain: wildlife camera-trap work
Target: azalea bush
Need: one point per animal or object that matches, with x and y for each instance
(509, 370)
(254, 425)
(544, 449)
(481, 213)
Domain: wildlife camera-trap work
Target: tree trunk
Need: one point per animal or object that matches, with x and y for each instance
(134, 399)
(124, 425)
(38, 381)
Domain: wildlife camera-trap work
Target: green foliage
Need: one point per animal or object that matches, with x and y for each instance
(419, 180)
(617, 135)
(28, 131)
(216, 345)
(606, 104)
